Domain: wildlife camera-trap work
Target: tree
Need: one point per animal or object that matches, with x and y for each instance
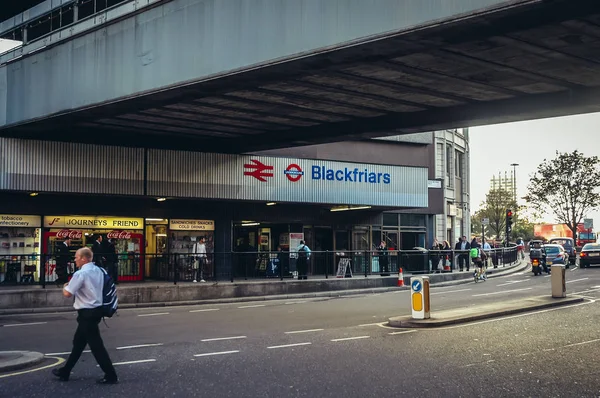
(567, 187)
(497, 201)
(523, 228)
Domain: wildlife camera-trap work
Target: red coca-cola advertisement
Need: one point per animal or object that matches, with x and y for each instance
(69, 233)
(119, 235)
(129, 249)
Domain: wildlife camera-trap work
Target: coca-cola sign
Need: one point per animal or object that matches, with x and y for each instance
(119, 235)
(68, 233)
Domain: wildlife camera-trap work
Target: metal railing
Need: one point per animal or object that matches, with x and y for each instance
(48, 269)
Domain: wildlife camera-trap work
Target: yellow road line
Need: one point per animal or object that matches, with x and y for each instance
(58, 362)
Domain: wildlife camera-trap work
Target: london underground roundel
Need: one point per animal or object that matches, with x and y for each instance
(293, 172)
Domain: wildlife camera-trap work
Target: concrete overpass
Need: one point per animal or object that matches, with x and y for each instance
(246, 75)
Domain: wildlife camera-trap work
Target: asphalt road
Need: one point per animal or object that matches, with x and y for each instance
(329, 348)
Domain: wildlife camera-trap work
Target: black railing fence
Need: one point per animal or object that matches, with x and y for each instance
(49, 269)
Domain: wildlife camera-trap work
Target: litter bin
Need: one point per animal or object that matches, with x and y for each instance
(416, 260)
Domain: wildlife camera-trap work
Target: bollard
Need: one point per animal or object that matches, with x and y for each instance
(557, 276)
(419, 297)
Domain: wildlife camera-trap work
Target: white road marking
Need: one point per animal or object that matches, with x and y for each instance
(132, 362)
(253, 306)
(225, 338)
(577, 280)
(503, 292)
(295, 302)
(451, 291)
(370, 324)
(288, 345)
(205, 310)
(304, 331)
(512, 282)
(574, 268)
(402, 332)
(582, 343)
(155, 314)
(352, 338)
(23, 324)
(548, 349)
(547, 276)
(62, 353)
(139, 346)
(215, 353)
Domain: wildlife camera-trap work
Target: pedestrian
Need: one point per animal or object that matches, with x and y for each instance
(463, 256)
(382, 252)
(98, 251)
(112, 260)
(302, 262)
(86, 286)
(199, 251)
(63, 257)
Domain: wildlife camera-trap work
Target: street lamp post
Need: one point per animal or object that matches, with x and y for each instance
(514, 165)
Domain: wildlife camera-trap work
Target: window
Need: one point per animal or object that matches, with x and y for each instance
(449, 175)
(412, 220)
(390, 219)
(460, 157)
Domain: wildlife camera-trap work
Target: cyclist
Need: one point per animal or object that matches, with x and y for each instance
(478, 256)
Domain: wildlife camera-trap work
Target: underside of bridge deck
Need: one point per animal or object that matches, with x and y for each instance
(523, 62)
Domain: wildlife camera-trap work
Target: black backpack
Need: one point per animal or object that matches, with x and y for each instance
(110, 301)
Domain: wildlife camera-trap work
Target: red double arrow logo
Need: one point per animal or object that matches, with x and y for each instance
(258, 170)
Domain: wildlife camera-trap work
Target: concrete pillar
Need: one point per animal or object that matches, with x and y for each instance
(223, 245)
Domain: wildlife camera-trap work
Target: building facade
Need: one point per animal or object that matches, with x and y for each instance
(157, 206)
(451, 154)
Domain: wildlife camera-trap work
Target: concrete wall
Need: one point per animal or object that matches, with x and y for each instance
(191, 40)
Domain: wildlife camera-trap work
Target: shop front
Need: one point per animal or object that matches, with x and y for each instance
(125, 234)
(19, 248)
(184, 244)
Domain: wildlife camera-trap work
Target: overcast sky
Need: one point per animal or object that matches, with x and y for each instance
(494, 148)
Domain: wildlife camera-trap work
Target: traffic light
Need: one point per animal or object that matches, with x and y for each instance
(509, 222)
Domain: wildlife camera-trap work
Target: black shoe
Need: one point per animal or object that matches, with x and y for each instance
(107, 380)
(61, 374)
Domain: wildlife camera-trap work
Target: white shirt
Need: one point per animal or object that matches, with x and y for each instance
(200, 248)
(86, 285)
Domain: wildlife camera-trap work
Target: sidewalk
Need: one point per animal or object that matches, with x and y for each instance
(35, 299)
(14, 360)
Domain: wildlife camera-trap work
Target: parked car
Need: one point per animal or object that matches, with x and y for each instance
(590, 255)
(569, 245)
(556, 254)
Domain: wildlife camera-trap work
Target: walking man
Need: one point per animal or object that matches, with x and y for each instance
(86, 286)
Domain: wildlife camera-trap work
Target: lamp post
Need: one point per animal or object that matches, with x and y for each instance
(514, 165)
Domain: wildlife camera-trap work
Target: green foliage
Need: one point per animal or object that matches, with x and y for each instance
(523, 228)
(567, 187)
(497, 201)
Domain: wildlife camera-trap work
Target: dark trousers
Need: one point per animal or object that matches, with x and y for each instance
(302, 265)
(87, 333)
(463, 260)
(61, 273)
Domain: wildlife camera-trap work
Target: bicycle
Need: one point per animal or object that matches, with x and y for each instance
(480, 271)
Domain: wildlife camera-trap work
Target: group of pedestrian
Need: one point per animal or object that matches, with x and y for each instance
(104, 255)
